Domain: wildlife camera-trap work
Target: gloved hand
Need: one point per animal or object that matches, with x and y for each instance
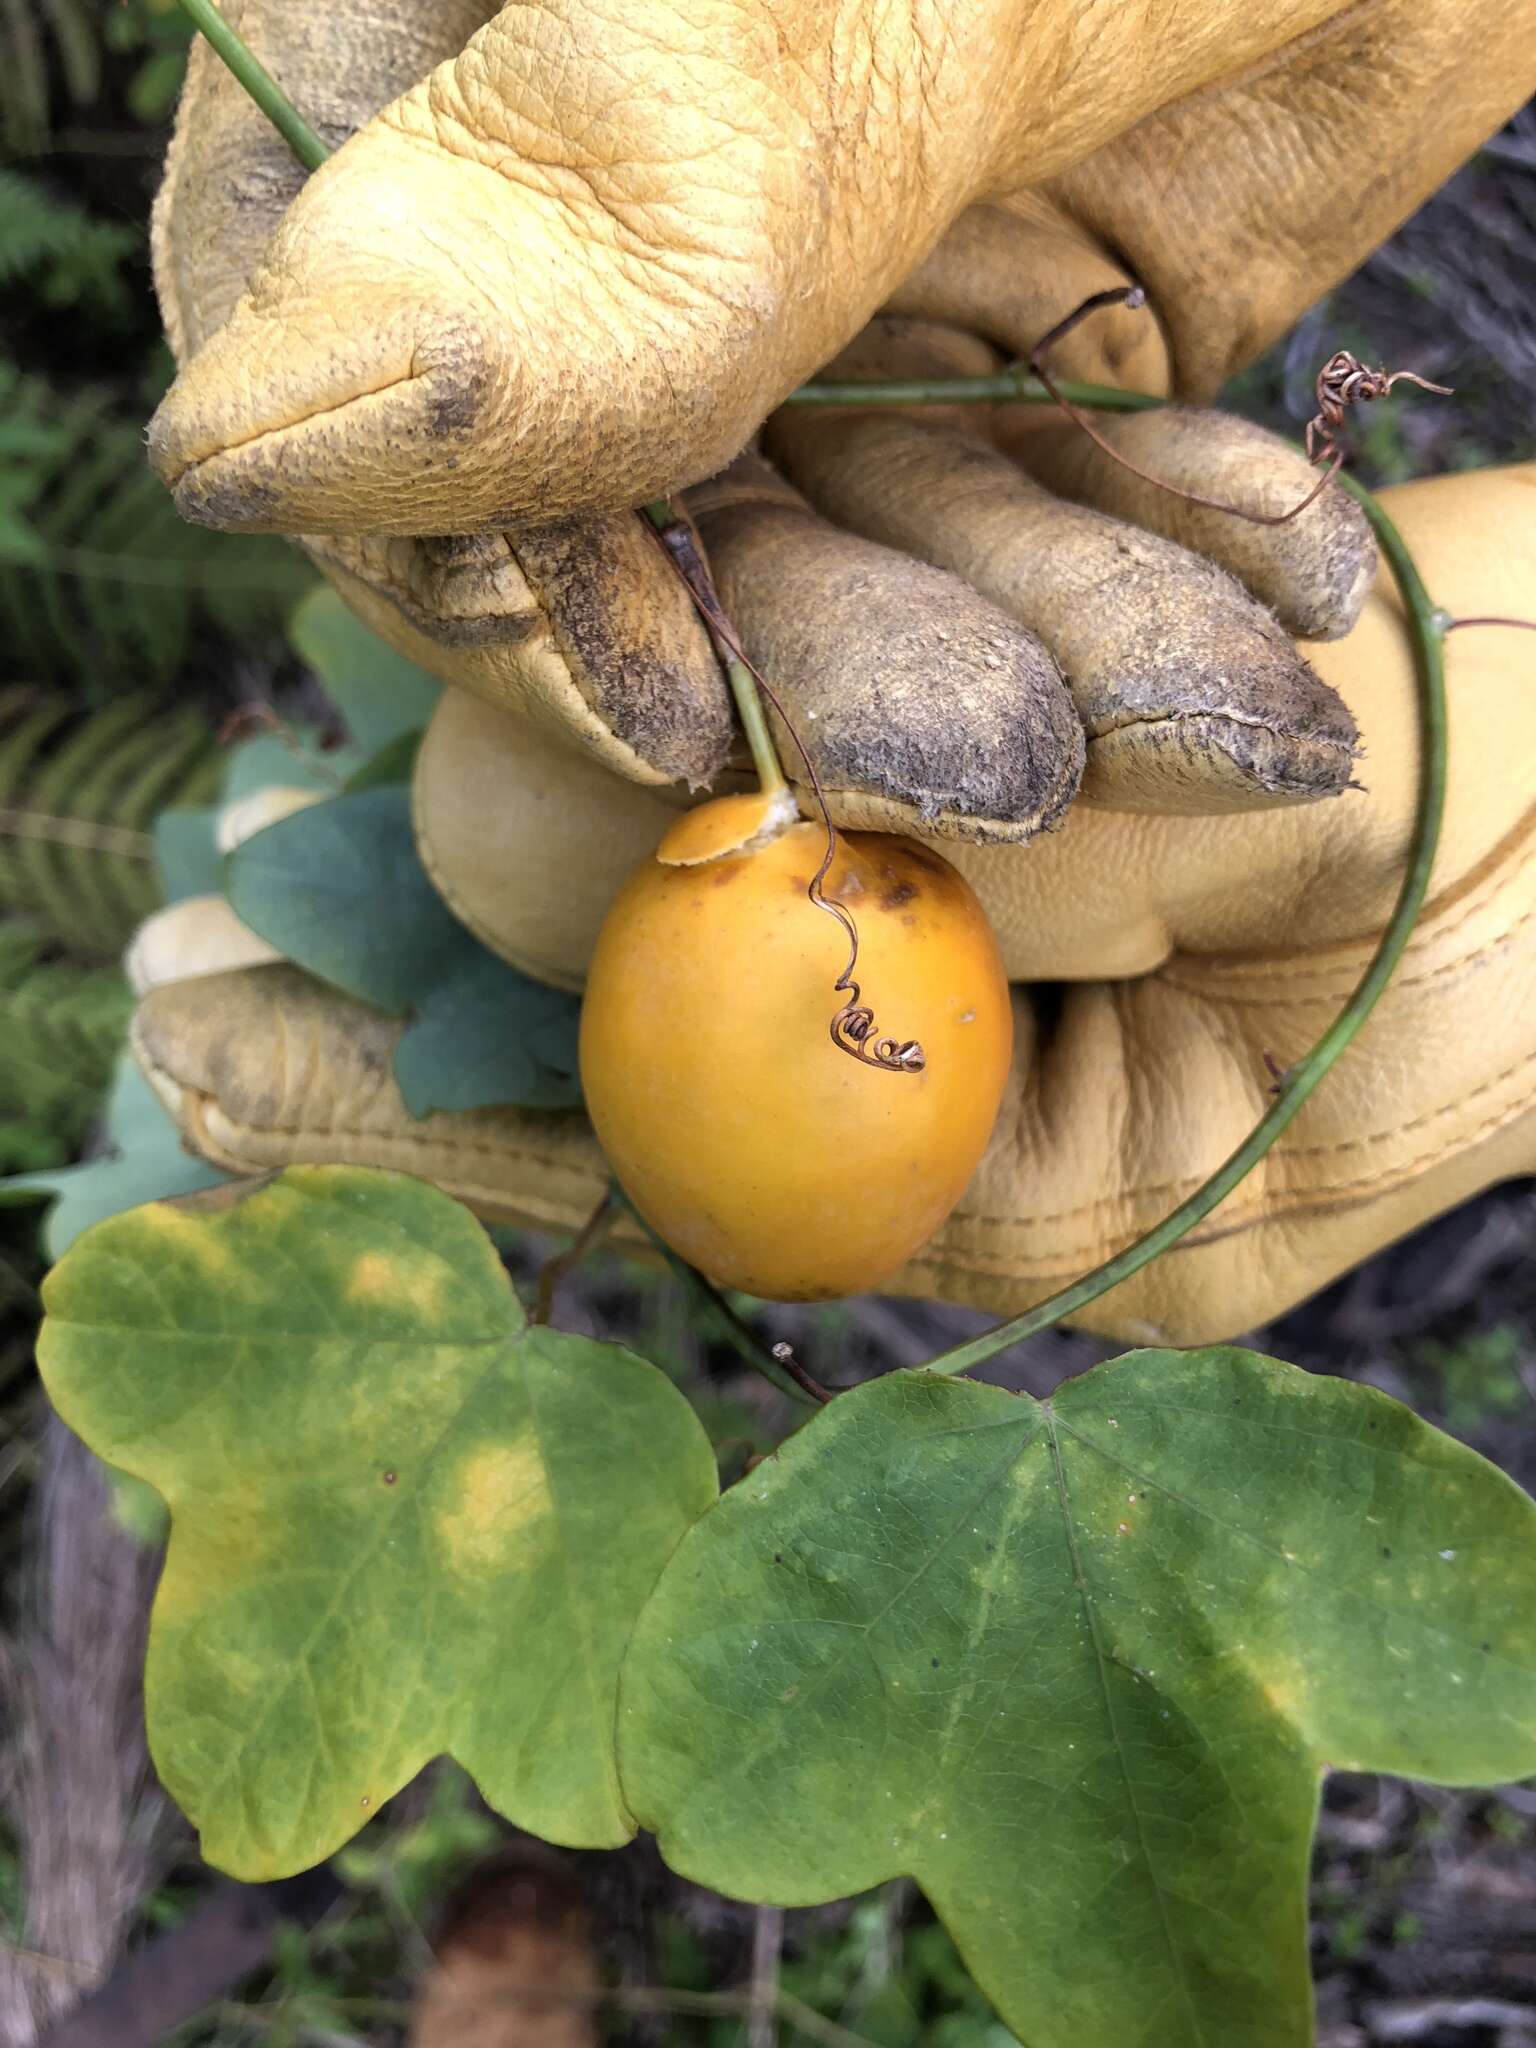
(575, 265)
(1191, 948)
(1190, 698)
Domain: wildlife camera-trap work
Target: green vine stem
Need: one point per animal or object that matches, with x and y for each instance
(1017, 386)
(737, 1334)
(1013, 386)
(1428, 628)
(748, 698)
(259, 83)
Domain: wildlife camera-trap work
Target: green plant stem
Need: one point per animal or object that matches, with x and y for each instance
(1428, 632)
(754, 723)
(736, 1333)
(749, 702)
(259, 83)
(1013, 386)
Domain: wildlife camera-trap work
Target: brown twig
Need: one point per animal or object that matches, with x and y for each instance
(853, 1028)
(758, 1355)
(1454, 625)
(785, 1354)
(1342, 381)
(554, 1270)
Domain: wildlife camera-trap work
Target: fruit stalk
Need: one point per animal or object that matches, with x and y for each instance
(676, 537)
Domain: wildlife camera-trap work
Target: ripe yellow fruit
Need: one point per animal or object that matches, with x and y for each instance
(769, 1157)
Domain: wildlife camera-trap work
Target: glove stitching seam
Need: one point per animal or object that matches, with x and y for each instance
(1289, 1156)
(454, 1147)
(1344, 979)
(1335, 990)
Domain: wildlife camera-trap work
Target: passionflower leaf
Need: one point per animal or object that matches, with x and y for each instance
(1078, 1666)
(404, 1522)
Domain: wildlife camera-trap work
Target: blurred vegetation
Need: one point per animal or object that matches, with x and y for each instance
(125, 635)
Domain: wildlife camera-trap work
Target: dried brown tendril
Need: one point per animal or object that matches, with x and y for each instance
(853, 1029)
(1343, 381)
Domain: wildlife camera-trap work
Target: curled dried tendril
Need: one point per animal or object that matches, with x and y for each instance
(853, 1029)
(1343, 381)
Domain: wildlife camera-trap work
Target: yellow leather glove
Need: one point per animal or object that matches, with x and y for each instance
(574, 266)
(1193, 698)
(1191, 948)
(581, 626)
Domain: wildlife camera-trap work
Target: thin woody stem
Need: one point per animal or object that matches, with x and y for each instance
(748, 698)
(797, 1383)
(259, 83)
(1428, 632)
(587, 1239)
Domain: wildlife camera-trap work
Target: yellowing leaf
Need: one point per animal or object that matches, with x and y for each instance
(1077, 1666)
(402, 1521)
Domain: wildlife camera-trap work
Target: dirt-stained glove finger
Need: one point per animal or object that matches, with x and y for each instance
(922, 704)
(577, 625)
(1192, 698)
(1313, 572)
(229, 175)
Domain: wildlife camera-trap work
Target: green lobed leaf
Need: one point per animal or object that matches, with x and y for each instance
(297, 760)
(403, 1521)
(1077, 1666)
(187, 857)
(395, 761)
(340, 890)
(485, 1033)
(378, 692)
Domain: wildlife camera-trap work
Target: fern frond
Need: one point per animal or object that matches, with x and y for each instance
(79, 792)
(74, 256)
(101, 585)
(61, 1030)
